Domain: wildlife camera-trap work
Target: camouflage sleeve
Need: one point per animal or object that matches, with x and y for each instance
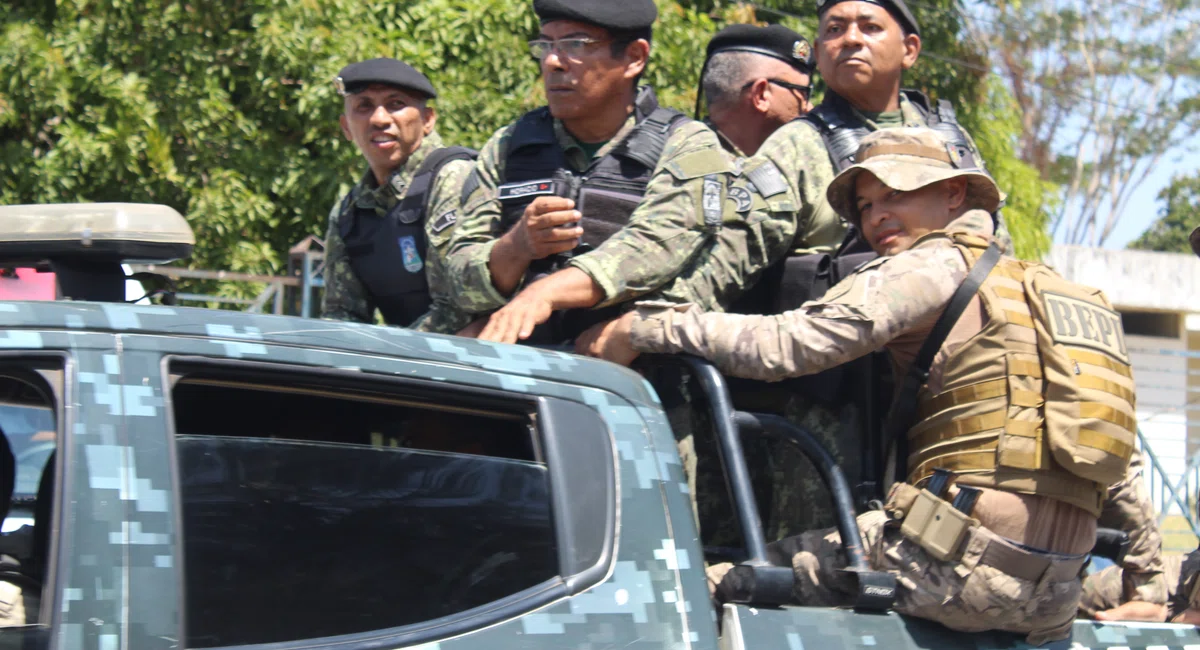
(475, 233)
(798, 150)
(1128, 508)
(444, 315)
(345, 297)
(788, 218)
(755, 234)
(682, 208)
(886, 298)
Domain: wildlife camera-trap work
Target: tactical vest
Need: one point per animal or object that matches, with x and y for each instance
(1041, 400)
(610, 188)
(388, 254)
(842, 131)
(606, 193)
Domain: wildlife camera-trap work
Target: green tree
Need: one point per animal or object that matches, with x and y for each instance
(225, 109)
(1178, 216)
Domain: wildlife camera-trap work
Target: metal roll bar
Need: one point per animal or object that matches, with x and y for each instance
(756, 580)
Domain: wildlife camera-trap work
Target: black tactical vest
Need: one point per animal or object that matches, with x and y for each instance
(388, 254)
(606, 193)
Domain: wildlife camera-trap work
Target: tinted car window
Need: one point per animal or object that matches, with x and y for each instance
(288, 536)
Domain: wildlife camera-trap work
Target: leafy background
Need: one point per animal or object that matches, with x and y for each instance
(225, 110)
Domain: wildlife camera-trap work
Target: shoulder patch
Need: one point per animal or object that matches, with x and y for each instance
(741, 198)
(767, 179)
(445, 221)
(409, 254)
(510, 191)
(711, 202)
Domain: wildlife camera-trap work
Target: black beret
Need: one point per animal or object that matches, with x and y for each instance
(356, 77)
(774, 40)
(896, 8)
(619, 15)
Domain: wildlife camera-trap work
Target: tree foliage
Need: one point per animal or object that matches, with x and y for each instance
(1105, 91)
(225, 110)
(1179, 215)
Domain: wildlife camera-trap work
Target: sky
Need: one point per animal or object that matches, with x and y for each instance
(1143, 205)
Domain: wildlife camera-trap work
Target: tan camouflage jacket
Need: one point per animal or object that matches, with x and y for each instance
(1129, 508)
(345, 296)
(888, 302)
(663, 234)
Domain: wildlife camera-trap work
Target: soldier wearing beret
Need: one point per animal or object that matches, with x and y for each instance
(598, 197)
(387, 238)
(755, 80)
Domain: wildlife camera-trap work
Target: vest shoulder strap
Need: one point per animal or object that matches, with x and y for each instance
(414, 205)
(645, 145)
(839, 133)
(346, 215)
(535, 128)
(920, 101)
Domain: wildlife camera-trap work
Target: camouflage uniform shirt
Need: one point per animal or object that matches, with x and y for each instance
(346, 298)
(663, 234)
(793, 218)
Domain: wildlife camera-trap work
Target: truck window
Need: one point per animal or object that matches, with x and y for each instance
(312, 511)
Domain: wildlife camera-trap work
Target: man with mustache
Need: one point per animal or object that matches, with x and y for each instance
(387, 238)
(755, 80)
(646, 195)
(999, 484)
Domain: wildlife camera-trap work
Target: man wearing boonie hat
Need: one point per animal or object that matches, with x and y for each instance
(598, 197)
(387, 239)
(861, 49)
(1025, 531)
(753, 81)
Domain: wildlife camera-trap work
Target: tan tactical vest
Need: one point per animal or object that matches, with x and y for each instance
(1041, 400)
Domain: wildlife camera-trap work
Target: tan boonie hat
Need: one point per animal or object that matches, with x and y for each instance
(908, 159)
(1194, 238)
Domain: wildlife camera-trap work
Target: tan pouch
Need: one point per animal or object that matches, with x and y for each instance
(1088, 381)
(934, 525)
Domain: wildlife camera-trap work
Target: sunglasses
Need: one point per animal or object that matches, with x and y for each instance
(805, 91)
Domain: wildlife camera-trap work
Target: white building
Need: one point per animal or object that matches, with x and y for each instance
(1158, 295)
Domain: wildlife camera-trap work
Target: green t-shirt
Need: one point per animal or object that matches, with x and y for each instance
(590, 148)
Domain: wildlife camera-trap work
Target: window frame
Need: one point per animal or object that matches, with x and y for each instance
(61, 386)
(581, 464)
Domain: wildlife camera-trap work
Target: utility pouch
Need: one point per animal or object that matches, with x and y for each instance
(936, 526)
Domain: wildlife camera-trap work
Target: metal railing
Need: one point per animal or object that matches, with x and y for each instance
(272, 299)
(1166, 491)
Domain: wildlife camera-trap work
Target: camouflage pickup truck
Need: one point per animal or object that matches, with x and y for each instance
(196, 478)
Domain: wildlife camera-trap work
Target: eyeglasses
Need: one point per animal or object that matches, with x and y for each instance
(572, 48)
(805, 91)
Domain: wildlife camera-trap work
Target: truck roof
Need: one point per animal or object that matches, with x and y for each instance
(536, 363)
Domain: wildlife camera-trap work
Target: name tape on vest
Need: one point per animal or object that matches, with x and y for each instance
(526, 188)
(1086, 324)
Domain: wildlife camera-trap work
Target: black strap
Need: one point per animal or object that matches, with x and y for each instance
(904, 408)
(413, 206)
